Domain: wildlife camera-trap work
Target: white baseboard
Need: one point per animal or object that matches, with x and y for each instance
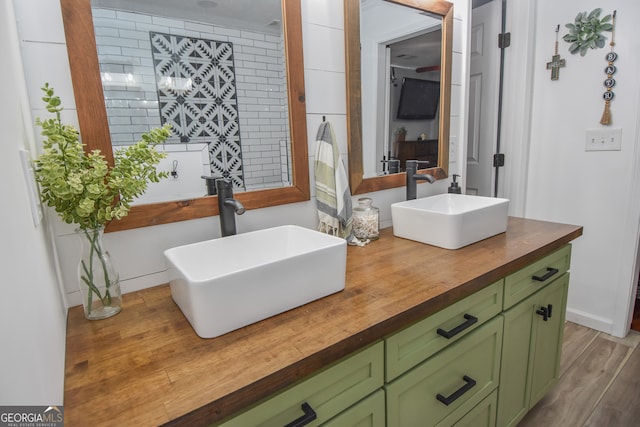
(590, 321)
(143, 282)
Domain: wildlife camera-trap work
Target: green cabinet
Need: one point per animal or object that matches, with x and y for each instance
(368, 413)
(532, 344)
(535, 276)
(416, 343)
(546, 338)
(483, 415)
(325, 394)
(441, 390)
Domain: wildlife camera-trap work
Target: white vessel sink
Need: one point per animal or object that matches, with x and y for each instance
(449, 221)
(224, 284)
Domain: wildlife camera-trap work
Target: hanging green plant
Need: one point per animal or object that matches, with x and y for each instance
(586, 32)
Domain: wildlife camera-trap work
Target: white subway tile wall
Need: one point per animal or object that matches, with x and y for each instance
(131, 97)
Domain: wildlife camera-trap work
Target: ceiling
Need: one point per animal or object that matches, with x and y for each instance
(417, 52)
(263, 16)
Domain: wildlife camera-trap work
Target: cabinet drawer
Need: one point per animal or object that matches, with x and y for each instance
(413, 345)
(462, 375)
(521, 284)
(327, 393)
(368, 413)
(483, 415)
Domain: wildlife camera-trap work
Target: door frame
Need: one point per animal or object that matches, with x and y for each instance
(516, 115)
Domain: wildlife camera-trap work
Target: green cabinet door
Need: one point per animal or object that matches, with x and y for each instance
(533, 332)
(513, 401)
(547, 338)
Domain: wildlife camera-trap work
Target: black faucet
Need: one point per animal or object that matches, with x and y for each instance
(413, 177)
(228, 207)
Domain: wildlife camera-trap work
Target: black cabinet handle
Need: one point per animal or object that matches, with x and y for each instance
(470, 320)
(549, 309)
(542, 311)
(309, 415)
(550, 272)
(448, 400)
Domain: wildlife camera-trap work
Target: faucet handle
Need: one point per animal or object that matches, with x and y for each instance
(419, 162)
(394, 165)
(412, 165)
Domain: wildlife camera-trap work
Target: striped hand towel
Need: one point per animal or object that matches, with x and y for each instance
(332, 186)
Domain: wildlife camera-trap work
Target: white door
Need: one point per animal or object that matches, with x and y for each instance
(483, 98)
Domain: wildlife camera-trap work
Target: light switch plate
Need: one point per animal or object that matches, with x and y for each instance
(604, 139)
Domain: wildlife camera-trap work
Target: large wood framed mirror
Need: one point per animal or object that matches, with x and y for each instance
(438, 16)
(94, 124)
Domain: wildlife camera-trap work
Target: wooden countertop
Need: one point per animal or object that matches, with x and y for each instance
(146, 366)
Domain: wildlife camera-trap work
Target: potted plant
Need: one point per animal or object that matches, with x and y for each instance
(400, 133)
(85, 190)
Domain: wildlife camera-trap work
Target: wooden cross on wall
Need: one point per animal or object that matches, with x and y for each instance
(556, 62)
(555, 65)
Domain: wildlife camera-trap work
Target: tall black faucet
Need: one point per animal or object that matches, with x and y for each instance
(228, 207)
(413, 176)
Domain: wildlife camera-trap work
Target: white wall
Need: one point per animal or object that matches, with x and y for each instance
(33, 314)
(598, 190)
(138, 253)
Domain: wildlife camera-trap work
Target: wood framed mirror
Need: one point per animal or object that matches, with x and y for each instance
(358, 182)
(95, 133)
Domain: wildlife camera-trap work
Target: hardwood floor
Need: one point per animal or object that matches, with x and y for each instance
(599, 383)
(635, 322)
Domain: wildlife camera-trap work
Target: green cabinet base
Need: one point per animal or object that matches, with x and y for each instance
(462, 375)
(532, 345)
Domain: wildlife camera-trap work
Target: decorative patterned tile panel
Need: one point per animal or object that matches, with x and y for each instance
(197, 95)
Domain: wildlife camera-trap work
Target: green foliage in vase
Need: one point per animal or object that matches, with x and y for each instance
(82, 187)
(586, 32)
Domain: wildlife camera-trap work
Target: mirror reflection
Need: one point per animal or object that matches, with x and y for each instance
(216, 72)
(391, 45)
(93, 123)
(400, 54)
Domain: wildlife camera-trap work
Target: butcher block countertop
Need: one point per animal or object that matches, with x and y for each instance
(146, 366)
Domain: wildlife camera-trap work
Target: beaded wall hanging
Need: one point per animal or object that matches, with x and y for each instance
(586, 32)
(609, 70)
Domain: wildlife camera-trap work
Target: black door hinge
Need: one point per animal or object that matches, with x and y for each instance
(498, 160)
(504, 40)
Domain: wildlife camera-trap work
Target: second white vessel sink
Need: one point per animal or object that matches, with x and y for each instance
(224, 284)
(449, 221)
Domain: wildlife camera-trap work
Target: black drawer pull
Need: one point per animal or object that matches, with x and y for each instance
(461, 327)
(544, 312)
(309, 415)
(469, 384)
(550, 272)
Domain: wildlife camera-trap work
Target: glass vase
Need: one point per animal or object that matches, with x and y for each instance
(366, 220)
(99, 281)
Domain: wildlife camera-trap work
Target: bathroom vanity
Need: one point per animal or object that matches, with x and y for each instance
(419, 336)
